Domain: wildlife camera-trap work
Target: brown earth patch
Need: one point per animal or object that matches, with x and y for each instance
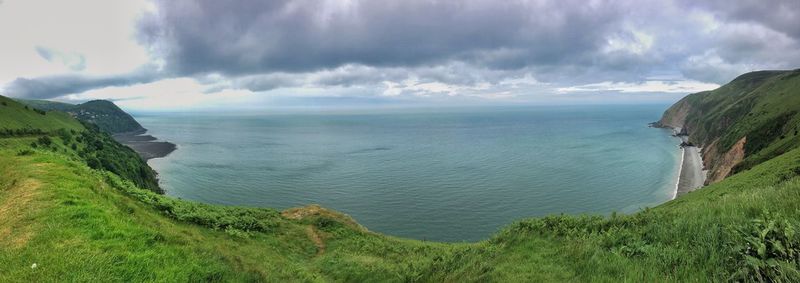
(16, 204)
(723, 165)
(314, 210)
(315, 237)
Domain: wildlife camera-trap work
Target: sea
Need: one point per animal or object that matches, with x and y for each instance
(452, 174)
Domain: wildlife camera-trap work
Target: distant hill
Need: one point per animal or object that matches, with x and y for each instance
(103, 113)
(748, 121)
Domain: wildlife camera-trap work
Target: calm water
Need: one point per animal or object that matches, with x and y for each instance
(453, 175)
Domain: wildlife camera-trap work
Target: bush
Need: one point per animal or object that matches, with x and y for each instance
(101, 151)
(93, 163)
(235, 221)
(768, 250)
(44, 140)
(24, 152)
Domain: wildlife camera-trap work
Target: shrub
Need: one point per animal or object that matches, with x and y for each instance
(235, 221)
(24, 152)
(768, 250)
(44, 140)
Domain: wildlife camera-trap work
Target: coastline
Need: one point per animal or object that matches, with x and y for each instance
(691, 175)
(147, 146)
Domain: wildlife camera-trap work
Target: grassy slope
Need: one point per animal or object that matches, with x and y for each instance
(80, 224)
(105, 114)
(13, 115)
(47, 104)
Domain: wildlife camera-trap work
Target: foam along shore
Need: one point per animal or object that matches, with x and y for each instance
(691, 175)
(147, 146)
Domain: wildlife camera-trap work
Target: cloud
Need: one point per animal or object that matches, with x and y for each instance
(643, 87)
(778, 15)
(521, 50)
(60, 85)
(73, 61)
(308, 35)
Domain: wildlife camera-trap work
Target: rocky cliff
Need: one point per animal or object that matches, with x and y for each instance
(743, 123)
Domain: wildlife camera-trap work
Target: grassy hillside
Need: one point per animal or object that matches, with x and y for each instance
(57, 131)
(759, 110)
(60, 219)
(14, 115)
(105, 114)
(47, 104)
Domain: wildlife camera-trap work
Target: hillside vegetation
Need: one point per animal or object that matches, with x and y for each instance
(17, 116)
(61, 219)
(105, 114)
(750, 120)
(56, 131)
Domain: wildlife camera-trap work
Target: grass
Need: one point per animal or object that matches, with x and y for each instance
(18, 116)
(105, 114)
(80, 224)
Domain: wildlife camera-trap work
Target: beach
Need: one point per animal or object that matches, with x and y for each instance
(691, 174)
(147, 146)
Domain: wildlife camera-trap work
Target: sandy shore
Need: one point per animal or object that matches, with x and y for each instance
(146, 145)
(691, 176)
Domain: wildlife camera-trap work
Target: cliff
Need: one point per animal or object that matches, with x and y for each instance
(743, 123)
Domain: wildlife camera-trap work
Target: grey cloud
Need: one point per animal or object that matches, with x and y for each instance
(60, 85)
(75, 62)
(246, 37)
(779, 15)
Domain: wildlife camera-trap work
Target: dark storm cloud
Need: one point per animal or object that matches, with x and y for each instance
(779, 15)
(245, 37)
(60, 85)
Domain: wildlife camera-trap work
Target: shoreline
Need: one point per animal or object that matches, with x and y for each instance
(691, 175)
(147, 146)
(678, 178)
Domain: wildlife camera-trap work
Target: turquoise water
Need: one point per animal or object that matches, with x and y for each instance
(445, 175)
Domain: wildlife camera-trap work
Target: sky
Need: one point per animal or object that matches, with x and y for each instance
(176, 55)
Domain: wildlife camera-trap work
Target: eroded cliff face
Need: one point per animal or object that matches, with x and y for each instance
(718, 162)
(720, 165)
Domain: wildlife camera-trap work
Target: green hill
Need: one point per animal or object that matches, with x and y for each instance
(14, 115)
(103, 113)
(739, 125)
(60, 133)
(62, 220)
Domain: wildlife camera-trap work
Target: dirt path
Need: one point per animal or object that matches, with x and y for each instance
(15, 206)
(314, 236)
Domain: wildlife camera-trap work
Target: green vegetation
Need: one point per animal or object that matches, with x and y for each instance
(105, 114)
(65, 217)
(101, 151)
(80, 140)
(16, 116)
(762, 106)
